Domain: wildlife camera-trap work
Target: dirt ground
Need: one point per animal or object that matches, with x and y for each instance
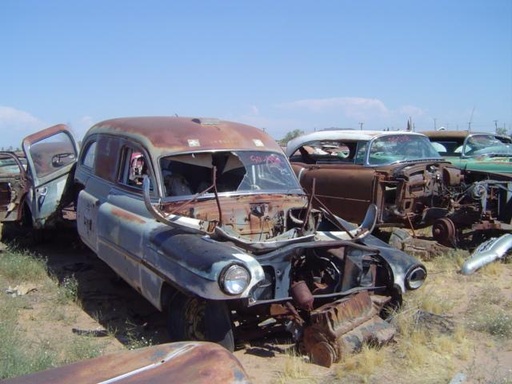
(107, 303)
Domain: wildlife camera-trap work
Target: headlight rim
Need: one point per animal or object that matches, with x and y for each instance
(223, 279)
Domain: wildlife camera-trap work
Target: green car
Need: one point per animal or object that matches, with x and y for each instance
(474, 151)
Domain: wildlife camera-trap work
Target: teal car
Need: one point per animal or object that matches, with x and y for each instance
(474, 151)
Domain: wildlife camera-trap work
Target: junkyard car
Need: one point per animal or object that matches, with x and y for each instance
(206, 219)
(182, 362)
(400, 172)
(486, 159)
(32, 182)
(474, 151)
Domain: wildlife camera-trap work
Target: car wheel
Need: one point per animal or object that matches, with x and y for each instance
(444, 232)
(192, 318)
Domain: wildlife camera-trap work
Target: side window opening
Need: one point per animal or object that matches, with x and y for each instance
(90, 155)
(134, 167)
(360, 153)
(138, 169)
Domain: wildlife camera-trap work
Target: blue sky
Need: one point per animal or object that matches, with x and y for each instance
(278, 65)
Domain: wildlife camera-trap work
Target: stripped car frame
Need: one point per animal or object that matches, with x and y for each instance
(206, 219)
(403, 174)
(486, 159)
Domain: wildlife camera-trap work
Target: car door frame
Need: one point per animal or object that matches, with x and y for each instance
(50, 173)
(13, 190)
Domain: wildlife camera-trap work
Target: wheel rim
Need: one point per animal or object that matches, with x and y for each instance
(444, 232)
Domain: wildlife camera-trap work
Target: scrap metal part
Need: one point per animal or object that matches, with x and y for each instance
(487, 252)
(183, 362)
(344, 326)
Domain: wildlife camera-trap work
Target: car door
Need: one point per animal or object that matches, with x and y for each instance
(123, 219)
(14, 185)
(51, 156)
(111, 214)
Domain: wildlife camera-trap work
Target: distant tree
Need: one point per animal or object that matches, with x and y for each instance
(501, 131)
(290, 135)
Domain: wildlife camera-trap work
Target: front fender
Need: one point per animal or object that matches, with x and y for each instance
(193, 263)
(408, 272)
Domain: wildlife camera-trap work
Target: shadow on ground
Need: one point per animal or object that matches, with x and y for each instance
(119, 309)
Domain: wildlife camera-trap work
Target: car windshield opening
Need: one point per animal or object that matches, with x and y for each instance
(485, 145)
(236, 171)
(390, 148)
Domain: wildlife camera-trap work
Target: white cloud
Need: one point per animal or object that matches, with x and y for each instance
(13, 118)
(82, 125)
(15, 125)
(255, 110)
(412, 111)
(352, 111)
(351, 107)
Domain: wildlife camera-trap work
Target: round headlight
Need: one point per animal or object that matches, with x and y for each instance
(416, 277)
(235, 279)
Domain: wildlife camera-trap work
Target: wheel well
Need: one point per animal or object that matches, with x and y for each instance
(167, 294)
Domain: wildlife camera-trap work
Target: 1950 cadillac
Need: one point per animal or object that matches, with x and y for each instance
(206, 219)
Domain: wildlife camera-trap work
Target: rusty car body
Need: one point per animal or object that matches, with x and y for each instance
(486, 159)
(403, 174)
(206, 219)
(34, 185)
(181, 362)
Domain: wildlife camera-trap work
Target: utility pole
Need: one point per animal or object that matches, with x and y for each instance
(361, 126)
(435, 124)
(471, 119)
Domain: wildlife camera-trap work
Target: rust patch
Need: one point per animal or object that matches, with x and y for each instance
(125, 215)
(183, 362)
(344, 326)
(187, 134)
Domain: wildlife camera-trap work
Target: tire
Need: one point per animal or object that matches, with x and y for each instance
(192, 318)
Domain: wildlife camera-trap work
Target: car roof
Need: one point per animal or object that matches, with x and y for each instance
(186, 134)
(445, 134)
(353, 135)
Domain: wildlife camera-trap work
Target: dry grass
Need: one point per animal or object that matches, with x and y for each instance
(295, 370)
(442, 329)
(453, 324)
(31, 323)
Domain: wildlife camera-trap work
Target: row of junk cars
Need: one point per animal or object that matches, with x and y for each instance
(234, 237)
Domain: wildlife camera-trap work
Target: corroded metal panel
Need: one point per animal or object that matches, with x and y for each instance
(344, 326)
(181, 134)
(185, 362)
